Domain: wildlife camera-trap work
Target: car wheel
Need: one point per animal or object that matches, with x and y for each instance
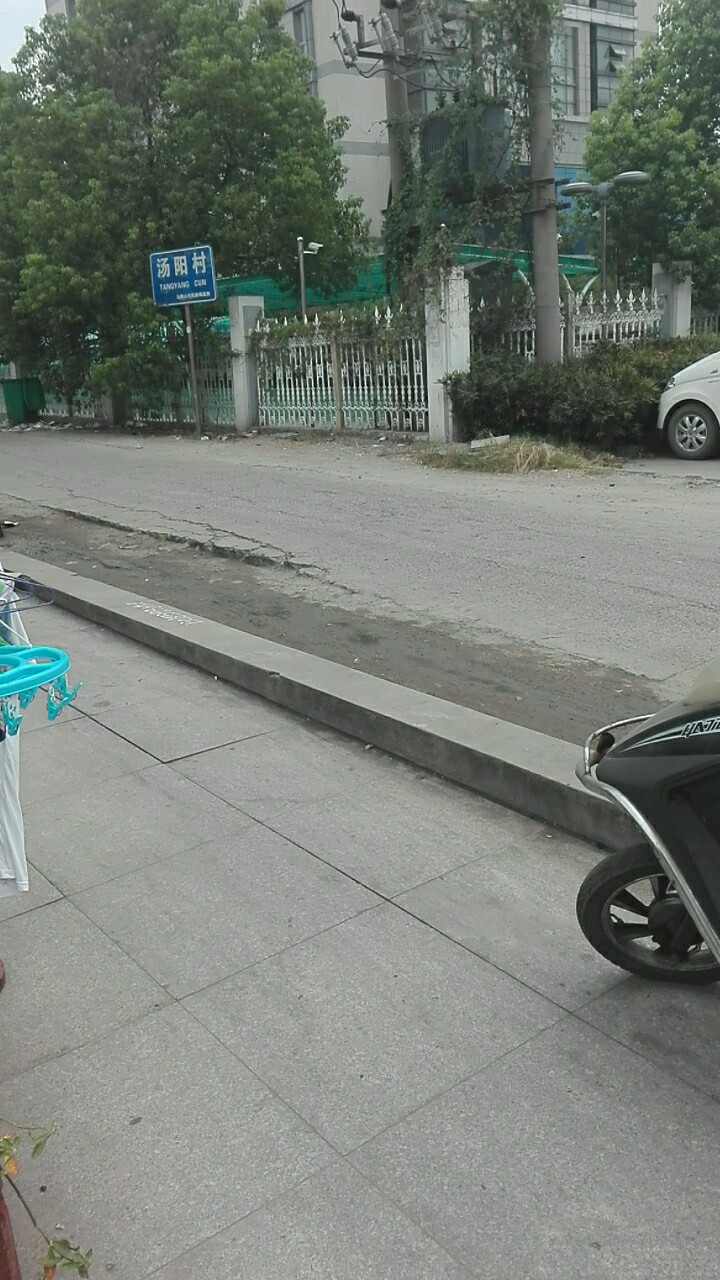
(693, 432)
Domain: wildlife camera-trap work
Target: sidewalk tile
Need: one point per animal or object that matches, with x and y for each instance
(516, 908)
(299, 764)
(165, 1140)
(401, 834)
(332, 1227)
(359, 1026)
(67, 984)
(198, 917)
(570, 1159)
(35, 717)
(675, 1027)
(117, 672)
(91, 643)
(175, 725)
(40, 893)
(106, 829)
(74, 754)
(52, 625)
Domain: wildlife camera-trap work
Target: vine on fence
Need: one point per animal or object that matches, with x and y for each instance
(386, 329)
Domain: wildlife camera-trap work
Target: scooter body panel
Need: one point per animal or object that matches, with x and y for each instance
(668, 772)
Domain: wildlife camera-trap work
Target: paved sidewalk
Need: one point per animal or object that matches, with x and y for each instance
(302, 1011)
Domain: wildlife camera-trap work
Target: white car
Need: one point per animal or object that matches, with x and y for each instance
(690, 410)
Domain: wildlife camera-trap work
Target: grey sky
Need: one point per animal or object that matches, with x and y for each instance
(16, 16)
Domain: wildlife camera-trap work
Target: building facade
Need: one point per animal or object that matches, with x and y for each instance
(598, 39)
(61, 8)
(346, 92)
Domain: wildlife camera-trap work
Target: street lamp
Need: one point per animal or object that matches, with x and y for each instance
(313, 248)
(602, 192)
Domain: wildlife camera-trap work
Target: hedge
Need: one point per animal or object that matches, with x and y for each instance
(607, 398)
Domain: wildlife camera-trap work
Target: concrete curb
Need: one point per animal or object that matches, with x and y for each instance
(516, 767)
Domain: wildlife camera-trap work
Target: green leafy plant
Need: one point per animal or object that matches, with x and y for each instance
(60, 1254)
(356, 324)
(665, 119)
(469, 185)
(146, 126)
(607, 399)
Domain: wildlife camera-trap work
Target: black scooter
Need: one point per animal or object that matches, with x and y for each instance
(654, 909)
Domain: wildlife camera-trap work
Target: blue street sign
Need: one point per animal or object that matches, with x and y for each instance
(180, 276)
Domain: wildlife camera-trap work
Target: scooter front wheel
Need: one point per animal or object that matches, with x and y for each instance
(630, 912)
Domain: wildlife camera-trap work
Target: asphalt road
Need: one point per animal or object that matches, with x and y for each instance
(616, 571)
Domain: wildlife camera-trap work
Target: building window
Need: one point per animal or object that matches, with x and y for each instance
(626, 8)
(565, 59)
(611, 51)
(302, 29)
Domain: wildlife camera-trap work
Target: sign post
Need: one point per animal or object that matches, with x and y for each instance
(181, 277)
(193, 368)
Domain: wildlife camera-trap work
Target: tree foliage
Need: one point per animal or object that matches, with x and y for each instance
(143, 126)
(666, 120)
(473, 187)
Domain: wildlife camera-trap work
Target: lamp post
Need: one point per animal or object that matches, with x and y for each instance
(602, 192)
(312, 249)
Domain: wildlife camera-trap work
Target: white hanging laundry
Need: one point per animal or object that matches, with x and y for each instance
(13, 864)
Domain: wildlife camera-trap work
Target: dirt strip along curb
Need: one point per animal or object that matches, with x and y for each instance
(516, 767)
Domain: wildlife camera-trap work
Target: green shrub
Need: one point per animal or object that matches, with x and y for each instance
(607, 399)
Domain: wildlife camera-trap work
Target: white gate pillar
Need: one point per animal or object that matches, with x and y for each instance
(675, 286)
(447, 338)
(244, 315)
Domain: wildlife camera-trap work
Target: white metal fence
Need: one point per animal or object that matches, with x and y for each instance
(622, 319)
(217, 403)
(215, 383)
(705, 321)
(372, 373)
(85, 405)
(369, 379)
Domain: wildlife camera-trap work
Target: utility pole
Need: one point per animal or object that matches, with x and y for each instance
(197, 408)
(388, 32)
(396, 94)
(546, 264)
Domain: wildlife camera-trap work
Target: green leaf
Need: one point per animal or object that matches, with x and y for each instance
(666, 120)
(63, 1249)
(62, 1254)
(40, 1141)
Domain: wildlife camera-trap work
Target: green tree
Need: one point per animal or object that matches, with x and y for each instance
(470, 184)
(143, 126)
(666, 120)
